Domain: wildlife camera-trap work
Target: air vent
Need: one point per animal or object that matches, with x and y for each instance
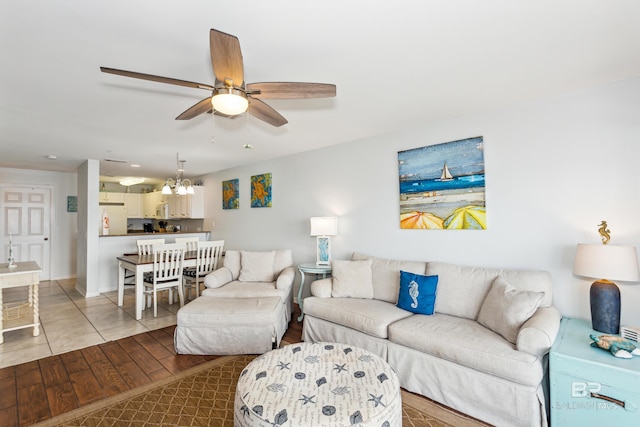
(630, 333)
(115, 161)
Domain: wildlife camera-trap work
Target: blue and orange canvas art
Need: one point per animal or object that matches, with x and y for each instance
(261, 191)
(230, 199)
(442, 186)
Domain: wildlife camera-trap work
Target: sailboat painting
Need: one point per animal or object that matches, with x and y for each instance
(442, 186)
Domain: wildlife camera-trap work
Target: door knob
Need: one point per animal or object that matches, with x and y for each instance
(46, 238)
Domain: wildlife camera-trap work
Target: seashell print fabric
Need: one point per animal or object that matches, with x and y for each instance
(318, 384)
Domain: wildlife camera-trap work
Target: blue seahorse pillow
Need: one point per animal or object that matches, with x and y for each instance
(417, 293)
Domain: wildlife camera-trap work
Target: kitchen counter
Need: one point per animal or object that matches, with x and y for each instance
(113, 246)
(156, 233)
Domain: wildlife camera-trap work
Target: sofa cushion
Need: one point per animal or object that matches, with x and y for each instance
(505, 309)
(417, 293)
(256, 266)
(386, 275)
(369, 316)
(462, 289)
(467, 343)
(352, 279)
(237, 289)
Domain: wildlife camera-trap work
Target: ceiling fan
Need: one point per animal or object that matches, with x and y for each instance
(230, 96)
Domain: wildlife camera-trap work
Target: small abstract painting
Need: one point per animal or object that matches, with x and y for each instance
(261, 191)
(442, 186)
(230, 199)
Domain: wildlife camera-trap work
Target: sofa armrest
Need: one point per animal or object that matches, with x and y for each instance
(322, 288)
(538, 333)
(218, 278)
(286, 278)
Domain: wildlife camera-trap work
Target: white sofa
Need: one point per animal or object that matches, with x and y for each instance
(449, 356)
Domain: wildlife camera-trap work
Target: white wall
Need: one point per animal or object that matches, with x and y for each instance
(554, 169)
(63, 231)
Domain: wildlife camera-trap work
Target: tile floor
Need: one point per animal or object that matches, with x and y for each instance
(69, 321)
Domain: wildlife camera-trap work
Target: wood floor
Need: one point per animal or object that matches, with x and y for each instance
(38, 390)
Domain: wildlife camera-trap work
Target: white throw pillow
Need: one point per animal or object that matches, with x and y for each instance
(352, 279)
(505, 309)
(256, 266)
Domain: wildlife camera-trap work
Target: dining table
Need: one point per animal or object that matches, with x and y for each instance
(140, 264)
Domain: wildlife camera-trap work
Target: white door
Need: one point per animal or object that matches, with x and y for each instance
(25, 216)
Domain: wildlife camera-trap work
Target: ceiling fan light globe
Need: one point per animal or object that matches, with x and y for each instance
(181, 191)
(229, 101)
(166, 189)
(190, 190)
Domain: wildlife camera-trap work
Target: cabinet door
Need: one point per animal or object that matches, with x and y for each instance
(196, 209)
(107, 197)
(134, 205)
(174, 208)
(150, 203)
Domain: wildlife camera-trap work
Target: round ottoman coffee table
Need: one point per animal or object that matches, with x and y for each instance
(318, 384)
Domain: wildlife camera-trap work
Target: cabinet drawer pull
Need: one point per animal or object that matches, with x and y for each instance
(608, 399)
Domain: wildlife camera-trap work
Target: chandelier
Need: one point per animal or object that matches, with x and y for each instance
(182, 186)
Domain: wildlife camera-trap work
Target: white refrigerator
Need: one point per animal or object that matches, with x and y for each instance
(117, 220)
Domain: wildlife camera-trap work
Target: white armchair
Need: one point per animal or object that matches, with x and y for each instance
(254, 274)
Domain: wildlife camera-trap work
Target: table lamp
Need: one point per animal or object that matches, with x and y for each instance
(323, 227)
(605, 263)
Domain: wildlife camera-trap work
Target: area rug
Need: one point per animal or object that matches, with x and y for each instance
(203, 396)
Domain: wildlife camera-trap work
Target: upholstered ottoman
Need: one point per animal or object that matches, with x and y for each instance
(318, 384)
(220, 326)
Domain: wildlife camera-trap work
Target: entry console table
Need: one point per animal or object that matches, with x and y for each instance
(589, 386)
(311, 268)
(25, 274)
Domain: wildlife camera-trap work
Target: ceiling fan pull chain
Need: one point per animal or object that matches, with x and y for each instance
(213, 128)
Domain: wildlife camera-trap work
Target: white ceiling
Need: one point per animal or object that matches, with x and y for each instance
(395, 63)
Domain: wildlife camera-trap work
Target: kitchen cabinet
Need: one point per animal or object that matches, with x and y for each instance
(108, 197)
(151, 202)
(180, 206)
(188, 206)
(133, 202)
(197, 202)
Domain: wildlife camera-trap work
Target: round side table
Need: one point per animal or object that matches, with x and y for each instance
(312, 268)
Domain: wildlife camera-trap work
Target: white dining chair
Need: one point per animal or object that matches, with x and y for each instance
(145, 246)
(209, 254)
(168, 260)
(191, 242)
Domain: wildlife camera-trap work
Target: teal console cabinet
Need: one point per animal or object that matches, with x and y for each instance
(589, 386)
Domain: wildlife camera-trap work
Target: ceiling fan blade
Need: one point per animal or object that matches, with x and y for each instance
(265, 113)
(291, 90)
(203, 106)
(226, 58)
(160, 79)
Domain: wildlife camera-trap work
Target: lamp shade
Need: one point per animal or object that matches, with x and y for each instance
(324, 226)
(607, 262)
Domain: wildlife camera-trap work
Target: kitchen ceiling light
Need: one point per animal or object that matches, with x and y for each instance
(182, 186)
(131, 181)
(229, 101)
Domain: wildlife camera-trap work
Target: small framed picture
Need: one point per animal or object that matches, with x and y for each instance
(72, 203)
